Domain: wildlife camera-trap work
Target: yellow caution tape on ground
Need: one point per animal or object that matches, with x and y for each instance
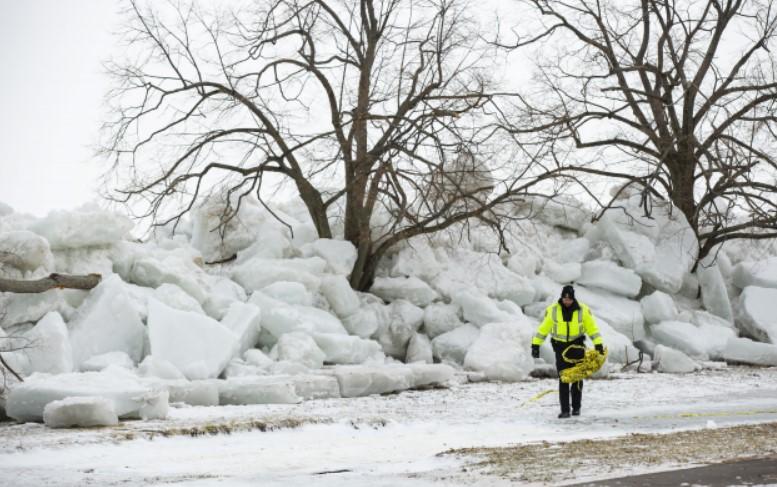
(717, 414)
(583, 368)
(538, 396)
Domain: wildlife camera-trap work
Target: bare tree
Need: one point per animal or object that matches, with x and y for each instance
(677, 98)
(366, 104)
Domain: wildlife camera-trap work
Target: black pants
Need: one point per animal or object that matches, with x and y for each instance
(564, 389)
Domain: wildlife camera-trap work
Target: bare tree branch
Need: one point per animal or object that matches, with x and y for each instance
(364, 106)
(53, 281)
(687, 91)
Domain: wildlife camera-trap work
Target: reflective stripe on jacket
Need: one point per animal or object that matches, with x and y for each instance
(582, 323)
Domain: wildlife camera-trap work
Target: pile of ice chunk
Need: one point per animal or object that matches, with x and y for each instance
(87, 226)
(661, 248)
(259, 311)
(130, 397)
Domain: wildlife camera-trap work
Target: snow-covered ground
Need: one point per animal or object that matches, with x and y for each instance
(390, 440)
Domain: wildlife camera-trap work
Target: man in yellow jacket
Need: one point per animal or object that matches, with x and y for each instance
(568, 322)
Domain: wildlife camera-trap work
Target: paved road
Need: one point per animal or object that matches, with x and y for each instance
(762, 471)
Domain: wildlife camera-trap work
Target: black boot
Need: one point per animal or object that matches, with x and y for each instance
(564, 414)
(577, 396)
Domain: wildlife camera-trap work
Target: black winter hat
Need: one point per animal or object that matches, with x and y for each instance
(568, 291)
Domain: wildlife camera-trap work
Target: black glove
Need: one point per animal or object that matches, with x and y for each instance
(599, 348)
(535, 351)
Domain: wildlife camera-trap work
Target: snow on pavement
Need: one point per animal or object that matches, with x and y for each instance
(381, 440)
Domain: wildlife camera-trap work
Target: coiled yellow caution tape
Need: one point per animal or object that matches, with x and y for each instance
(584, 367)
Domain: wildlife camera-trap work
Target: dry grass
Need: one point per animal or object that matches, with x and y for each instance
(211, 429)
(555, 462)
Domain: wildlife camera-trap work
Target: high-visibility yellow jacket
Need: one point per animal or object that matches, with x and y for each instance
(582, 323)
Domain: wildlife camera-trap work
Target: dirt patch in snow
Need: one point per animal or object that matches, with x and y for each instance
(556, 462)
(215, 428)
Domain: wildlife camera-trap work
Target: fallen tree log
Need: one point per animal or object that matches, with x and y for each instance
(53, 281)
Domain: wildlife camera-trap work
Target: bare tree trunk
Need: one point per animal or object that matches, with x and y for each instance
(363, 272)
(316, 208)
(53, 281)
(368, 271)
(682, 189)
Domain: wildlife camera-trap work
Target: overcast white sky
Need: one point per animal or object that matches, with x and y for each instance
(51, 97)
(51, 91)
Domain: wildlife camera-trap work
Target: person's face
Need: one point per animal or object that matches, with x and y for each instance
(567, 301)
